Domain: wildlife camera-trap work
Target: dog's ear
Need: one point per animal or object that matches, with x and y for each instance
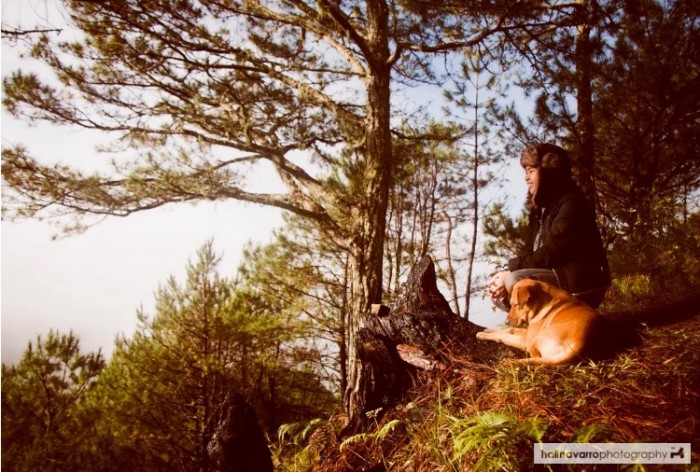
(520, 299)
(522, 293)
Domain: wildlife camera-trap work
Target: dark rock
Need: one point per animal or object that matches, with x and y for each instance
(238, 443)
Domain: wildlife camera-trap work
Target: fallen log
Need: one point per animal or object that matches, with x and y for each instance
(417, 333)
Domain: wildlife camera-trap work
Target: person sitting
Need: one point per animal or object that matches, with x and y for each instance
(564, 247)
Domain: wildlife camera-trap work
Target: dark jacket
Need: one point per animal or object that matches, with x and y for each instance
(571, 243)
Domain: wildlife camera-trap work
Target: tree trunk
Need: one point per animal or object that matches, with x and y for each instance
(584, 100)
(419, 332)
(475, 202)
(369, 225)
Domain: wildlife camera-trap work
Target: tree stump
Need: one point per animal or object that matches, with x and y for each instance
(416, 334)
(238, 443)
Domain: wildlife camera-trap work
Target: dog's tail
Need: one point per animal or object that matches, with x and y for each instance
(610, 337)
(658, 315)
(619, 331)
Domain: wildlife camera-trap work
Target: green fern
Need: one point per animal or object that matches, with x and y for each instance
(595, 432)
(376, 437)
(386, 429)
(496, 438)
(298, 433)
(356, 438)
(299, 457)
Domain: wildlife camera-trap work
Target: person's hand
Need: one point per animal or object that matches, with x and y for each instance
(497, 286)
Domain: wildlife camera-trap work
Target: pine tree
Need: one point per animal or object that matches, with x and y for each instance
(307, 276)
(648, 102)
(163, 388)
(646, 115)
(46, 424)
(204, 92)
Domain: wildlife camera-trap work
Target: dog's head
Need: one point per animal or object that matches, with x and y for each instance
(526, 300)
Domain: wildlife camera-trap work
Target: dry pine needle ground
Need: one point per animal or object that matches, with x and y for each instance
(474, 417)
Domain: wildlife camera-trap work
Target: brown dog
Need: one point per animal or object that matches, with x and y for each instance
(559, 326)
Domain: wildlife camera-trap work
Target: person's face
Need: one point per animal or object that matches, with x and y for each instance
(532, 179)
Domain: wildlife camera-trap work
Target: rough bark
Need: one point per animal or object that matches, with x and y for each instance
(369, 222)
(419, 332)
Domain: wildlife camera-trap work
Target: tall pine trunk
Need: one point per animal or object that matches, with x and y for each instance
(369, 225)
(584, 101)
(475, 203)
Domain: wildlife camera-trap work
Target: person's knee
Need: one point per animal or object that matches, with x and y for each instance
(511, 279)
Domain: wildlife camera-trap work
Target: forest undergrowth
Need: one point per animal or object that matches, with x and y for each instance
(476, 417)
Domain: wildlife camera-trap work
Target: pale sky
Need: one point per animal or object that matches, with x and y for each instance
(93, 283)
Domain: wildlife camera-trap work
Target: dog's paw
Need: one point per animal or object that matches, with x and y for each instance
(483, 334)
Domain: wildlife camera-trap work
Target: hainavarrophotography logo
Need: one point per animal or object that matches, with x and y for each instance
(612, 453)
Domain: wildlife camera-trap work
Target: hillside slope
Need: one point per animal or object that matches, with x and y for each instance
(474, 417)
